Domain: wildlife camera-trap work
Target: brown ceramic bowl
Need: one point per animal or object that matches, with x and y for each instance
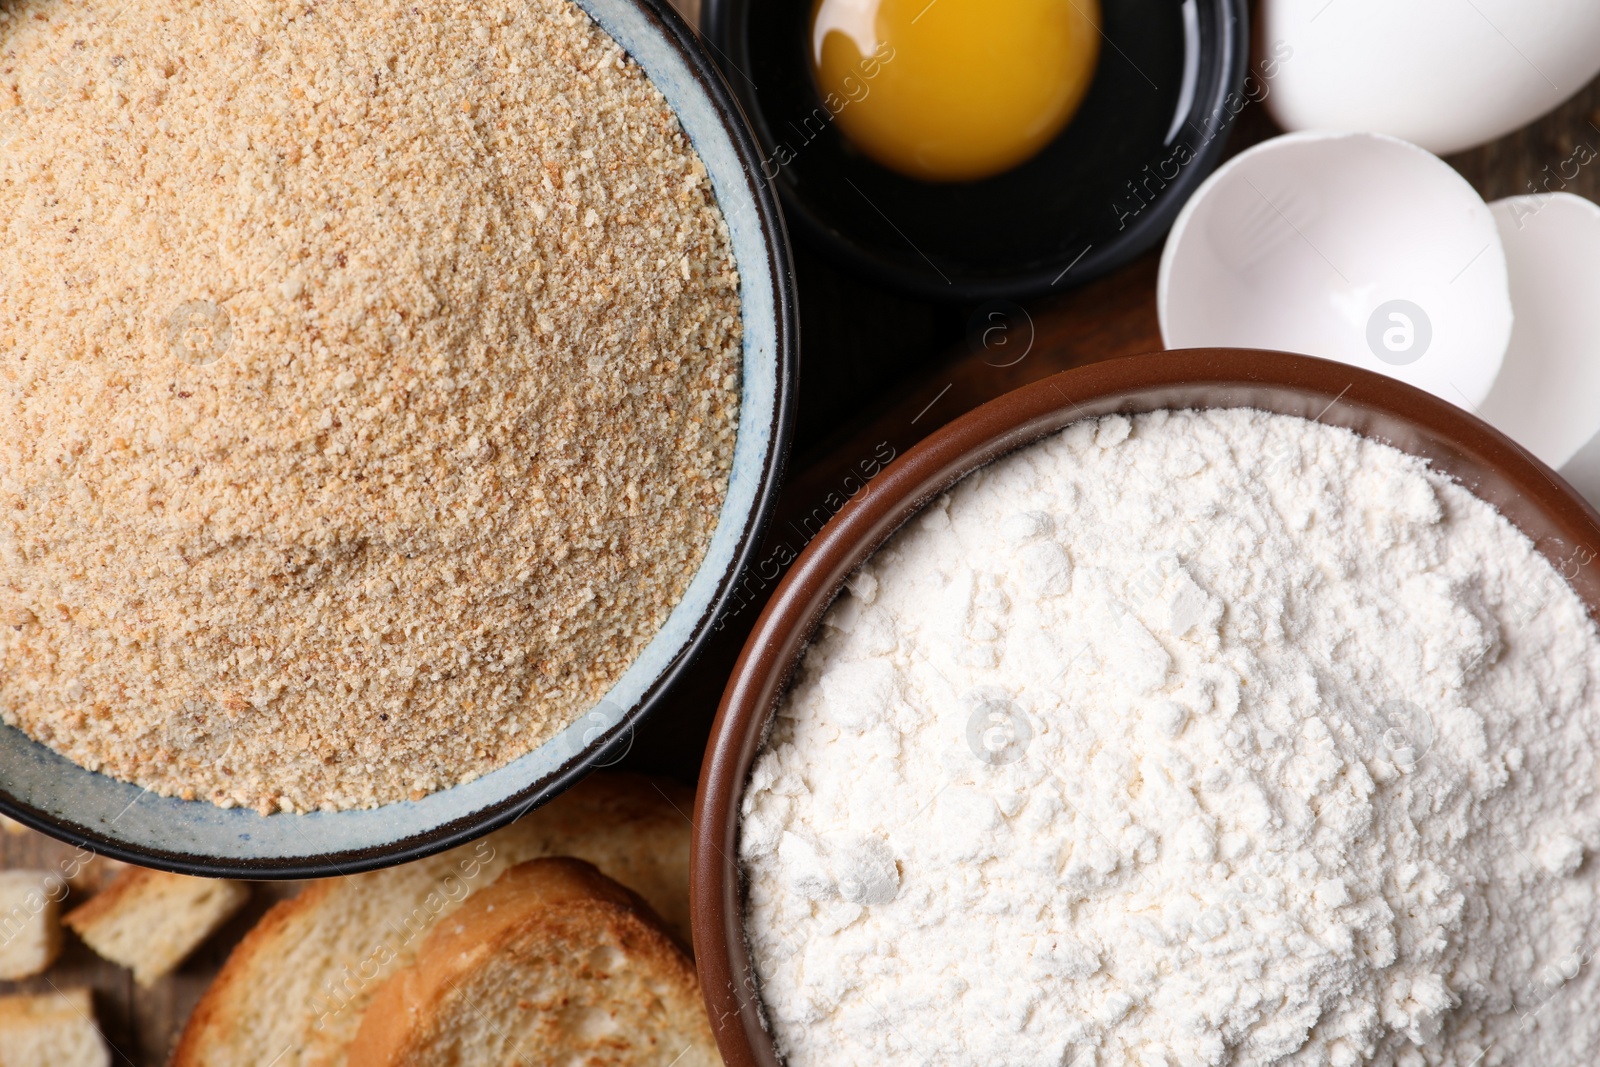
(1565, 529)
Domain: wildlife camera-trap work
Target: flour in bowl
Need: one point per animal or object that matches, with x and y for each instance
(1200, 738)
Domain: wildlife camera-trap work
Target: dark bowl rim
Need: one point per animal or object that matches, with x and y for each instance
(1346, 395)
(722, 19)
(671, 25)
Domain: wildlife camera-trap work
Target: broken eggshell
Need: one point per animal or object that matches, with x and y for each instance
(1547, 397)
(1443, 74)
(1355, 247)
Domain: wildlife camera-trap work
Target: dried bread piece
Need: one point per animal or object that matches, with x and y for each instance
(294, 989)
(149, 921)
(554, 963)
(30, 923)
(51, 1030)
(89, 873)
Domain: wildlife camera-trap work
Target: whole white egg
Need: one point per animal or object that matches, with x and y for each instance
(1443, 74)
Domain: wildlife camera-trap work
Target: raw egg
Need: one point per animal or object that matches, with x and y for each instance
(953, 90)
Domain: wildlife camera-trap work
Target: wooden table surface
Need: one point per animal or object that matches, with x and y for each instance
(880, 371)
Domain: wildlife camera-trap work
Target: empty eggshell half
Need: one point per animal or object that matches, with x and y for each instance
(1355, 247)
(1444, 74)
(1547, 397)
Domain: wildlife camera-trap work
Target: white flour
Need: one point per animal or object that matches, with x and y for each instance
(1210, 738)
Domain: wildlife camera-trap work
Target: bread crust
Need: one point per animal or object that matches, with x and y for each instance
(30, 922)
(540, 917)
(150, 921)
(634, 828)
(57, 1028)
(225, 997)
(124, 886)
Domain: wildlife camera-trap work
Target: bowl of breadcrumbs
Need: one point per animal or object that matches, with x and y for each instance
(391, 393)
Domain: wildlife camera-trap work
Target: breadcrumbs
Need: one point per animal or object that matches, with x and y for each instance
(368, 386)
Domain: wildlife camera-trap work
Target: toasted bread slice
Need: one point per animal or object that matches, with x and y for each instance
(30, 922)
(51, 1030)
(149, 921)
(294, 989)
(554, 963)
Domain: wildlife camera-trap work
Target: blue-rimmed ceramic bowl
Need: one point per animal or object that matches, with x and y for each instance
(52, 794)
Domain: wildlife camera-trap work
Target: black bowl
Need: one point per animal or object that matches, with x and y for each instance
(1153, 125)
(45, 791)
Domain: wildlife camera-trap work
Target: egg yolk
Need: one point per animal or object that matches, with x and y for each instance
(953, 90)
